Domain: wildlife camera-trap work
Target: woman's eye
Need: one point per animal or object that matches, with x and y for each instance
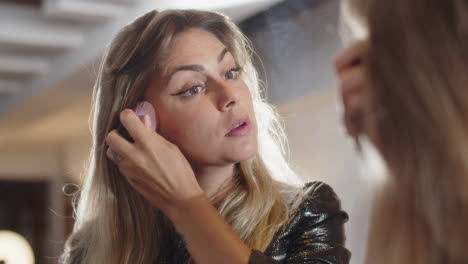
(192, 91)
(232, 74)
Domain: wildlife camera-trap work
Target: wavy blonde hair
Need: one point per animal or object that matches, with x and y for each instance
(114, 224)
(418, 65)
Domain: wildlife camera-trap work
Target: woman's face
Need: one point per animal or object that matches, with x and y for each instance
(202, 104)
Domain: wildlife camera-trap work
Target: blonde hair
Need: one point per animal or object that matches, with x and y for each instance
(114, 224)
(418, 66)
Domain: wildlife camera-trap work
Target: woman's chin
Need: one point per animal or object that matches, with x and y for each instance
(245, 153)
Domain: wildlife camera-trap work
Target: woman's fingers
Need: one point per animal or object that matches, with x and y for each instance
(352, 83)
(147, 122)
(119, 148)
(353, 112)
(114, 156)
(353, 123)
(353, 55)
(135, 127)
(353, 80)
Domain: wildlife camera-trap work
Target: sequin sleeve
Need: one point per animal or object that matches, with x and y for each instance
(314, 236)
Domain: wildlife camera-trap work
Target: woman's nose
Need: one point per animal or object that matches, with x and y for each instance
(228, 95)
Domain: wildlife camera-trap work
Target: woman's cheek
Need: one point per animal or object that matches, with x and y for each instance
(176, 126)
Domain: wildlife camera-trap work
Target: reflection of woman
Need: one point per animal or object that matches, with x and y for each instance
(409, 95)
(200, 182)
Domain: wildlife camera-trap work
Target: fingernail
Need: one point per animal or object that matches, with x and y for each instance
(147, 121)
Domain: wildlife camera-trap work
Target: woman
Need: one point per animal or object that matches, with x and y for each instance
(405, 88)
(210, 185)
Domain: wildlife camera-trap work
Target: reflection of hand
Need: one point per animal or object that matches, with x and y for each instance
(351, 68)
(152, 165)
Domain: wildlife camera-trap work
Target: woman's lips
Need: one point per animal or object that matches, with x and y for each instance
(240, 127)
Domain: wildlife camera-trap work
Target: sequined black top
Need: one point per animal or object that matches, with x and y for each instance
(315, 235)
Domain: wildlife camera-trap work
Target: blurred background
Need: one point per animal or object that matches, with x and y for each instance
(49, 54)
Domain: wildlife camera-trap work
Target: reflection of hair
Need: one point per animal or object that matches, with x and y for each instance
(114, 224)
(418, 63)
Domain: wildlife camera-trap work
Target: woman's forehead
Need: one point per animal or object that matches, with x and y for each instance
(194, 44)
(195, 47)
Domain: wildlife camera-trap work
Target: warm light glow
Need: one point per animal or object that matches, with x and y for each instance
(14, 249)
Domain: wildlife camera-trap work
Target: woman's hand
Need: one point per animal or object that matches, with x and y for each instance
(152, 165)
(351, 69)
(159, 171)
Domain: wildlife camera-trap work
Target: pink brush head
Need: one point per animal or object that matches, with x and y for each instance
(146, 108)
(142, 108)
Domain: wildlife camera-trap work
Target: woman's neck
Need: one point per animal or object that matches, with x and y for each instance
(212, 179)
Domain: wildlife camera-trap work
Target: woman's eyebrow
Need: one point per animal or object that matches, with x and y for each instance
(197, 67)
(222, 54)
(193, 67)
